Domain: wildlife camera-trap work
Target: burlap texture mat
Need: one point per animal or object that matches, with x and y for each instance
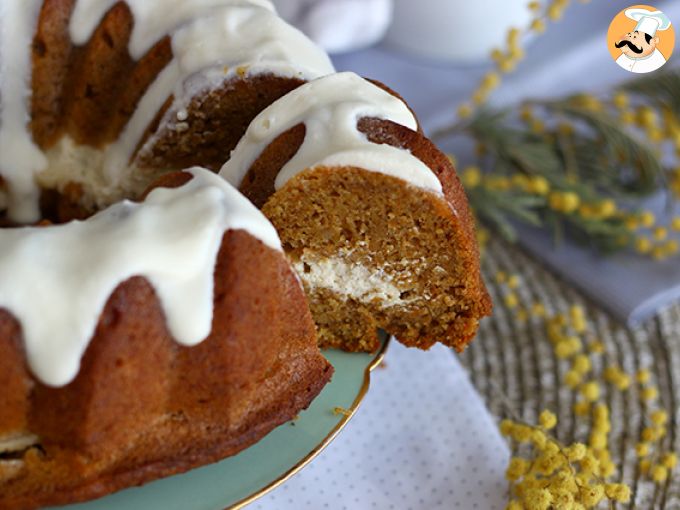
(513, 358)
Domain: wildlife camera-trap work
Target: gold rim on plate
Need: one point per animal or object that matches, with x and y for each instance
(327, 440)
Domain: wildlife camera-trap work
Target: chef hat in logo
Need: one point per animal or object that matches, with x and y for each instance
(649, 21)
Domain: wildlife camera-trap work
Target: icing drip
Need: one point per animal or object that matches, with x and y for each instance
(331, 107)
(172, 239)
(153, 18)
(20, 158)
(215, 47)
(210, 40)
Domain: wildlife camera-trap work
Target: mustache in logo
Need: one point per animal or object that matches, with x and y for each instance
(626, 42)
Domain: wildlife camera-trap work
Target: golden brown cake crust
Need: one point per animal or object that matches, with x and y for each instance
(143, 407)
(216, 121)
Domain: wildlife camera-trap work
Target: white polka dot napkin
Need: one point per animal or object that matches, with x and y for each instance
(422, 439)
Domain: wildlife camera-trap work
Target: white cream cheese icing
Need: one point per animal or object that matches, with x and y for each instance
(210, 40)
(56, 280)
(20, 158)
(153, 18)
(209, 50)
(330, 107)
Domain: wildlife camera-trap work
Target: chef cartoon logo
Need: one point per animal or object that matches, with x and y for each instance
(641, 39)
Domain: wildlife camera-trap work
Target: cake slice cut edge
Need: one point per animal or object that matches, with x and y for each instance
(376, 252)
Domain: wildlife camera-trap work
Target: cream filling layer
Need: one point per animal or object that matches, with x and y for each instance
(69, 162)
(352, 280)
(56, 280)
(17, 443)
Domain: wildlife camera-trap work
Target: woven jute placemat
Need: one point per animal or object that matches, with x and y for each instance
(512, 363)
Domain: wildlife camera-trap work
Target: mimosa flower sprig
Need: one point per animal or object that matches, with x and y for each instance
(577, 165)
(544, 473)
(506, 59)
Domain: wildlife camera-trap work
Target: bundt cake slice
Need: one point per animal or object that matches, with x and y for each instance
(117, 92)
(370, 212)
(149, 339)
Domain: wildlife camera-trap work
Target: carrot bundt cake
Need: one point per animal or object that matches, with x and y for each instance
(369, 211)
(150, 321)
(149, 339)
(151, 336)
